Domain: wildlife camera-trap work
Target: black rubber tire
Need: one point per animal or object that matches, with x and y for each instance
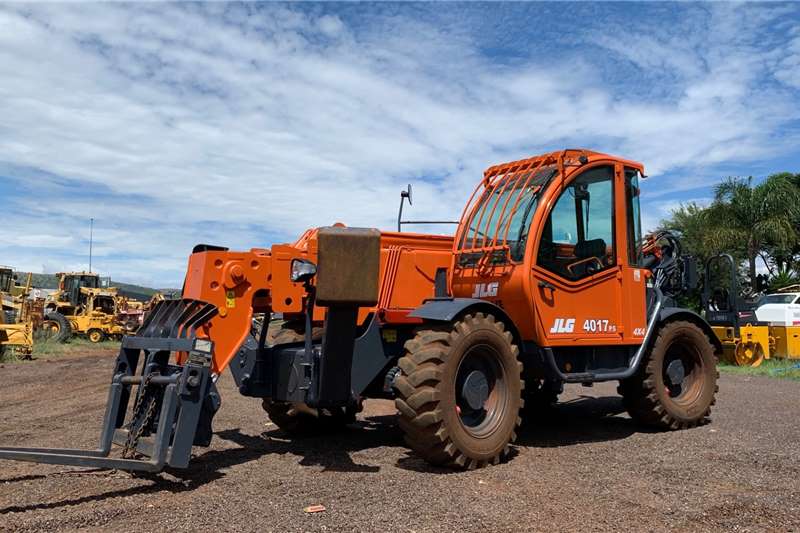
(285, 332)
(296, 420)
(646, 395)
(426, 388)
(64, 327)
(96, 336)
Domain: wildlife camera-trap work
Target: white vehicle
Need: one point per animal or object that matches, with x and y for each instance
(780, 309)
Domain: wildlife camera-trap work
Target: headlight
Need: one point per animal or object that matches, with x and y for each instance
(302, 270)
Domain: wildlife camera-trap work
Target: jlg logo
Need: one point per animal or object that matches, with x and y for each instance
(484, 290)
(563, 325)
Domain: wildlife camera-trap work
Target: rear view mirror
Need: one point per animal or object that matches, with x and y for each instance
(582, 192)
(689, 278)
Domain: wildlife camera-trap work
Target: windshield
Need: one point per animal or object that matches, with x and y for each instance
(5, 281)
(503, 214)
(778, 299)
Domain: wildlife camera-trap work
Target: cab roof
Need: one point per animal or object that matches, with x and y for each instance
(567, 157)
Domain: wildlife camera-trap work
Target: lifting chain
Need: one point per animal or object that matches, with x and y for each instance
(136, 430)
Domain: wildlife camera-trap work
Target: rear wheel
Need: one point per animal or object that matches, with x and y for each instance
(459, 392)
(96, 335)
(57, 327)
(675, 386)
(297, 418)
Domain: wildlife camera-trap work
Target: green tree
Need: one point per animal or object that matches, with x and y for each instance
(780, 257)
(751, 216)
(689, 222)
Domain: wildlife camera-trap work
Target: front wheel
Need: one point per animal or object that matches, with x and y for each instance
(96, 335)
(459, 392)
(299, 420)
(676, 384)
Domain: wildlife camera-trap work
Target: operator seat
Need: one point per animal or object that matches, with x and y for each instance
(585, 250)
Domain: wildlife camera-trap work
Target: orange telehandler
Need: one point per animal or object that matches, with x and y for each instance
(546, 281)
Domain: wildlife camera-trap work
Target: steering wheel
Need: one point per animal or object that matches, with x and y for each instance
(719, 300)
(589, 269)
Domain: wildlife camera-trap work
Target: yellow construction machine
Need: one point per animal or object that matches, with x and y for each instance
(16, 323)
(745, 340)
(749, 335)
(82, 305)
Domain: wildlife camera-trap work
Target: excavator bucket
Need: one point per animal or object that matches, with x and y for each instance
(173, 403)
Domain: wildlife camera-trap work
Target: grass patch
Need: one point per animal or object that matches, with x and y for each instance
(776, 368)
(48, 349)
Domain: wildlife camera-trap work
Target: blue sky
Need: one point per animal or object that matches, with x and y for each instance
(242, 125)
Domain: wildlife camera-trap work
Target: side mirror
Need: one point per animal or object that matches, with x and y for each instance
(582, 192)
(406, 194)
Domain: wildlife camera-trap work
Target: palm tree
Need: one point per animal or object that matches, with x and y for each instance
(688, 221)
(749, 216)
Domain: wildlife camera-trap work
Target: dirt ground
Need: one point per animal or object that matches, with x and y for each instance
(585, 467)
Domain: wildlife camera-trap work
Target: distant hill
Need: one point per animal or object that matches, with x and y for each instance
(137, 292)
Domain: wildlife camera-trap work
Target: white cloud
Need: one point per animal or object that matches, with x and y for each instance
(255, 122)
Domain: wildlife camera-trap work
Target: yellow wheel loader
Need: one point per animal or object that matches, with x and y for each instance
(83, 305)
(16, 323)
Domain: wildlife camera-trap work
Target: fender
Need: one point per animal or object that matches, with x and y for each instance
(449, 309)
(670, 314)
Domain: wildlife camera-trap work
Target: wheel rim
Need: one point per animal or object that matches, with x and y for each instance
(51, 328)
(749, 354)
(94, 336)
(683, 372)
(481, 392)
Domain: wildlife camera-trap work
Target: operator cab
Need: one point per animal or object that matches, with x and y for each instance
(103, 304)
(71, 285)
(566, 228)
(723, 301)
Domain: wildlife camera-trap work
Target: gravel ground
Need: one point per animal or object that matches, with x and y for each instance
(584, 467)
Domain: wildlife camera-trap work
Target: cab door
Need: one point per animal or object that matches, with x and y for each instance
(581, 266)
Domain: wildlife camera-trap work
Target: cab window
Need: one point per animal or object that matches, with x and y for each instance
(503, 215)
(634, 215)
(578, 236)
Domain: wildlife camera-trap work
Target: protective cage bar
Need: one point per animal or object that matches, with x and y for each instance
(174, 394)
(488, 215)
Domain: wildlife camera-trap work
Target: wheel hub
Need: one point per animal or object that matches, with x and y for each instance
(676, 372)
(475, 390)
